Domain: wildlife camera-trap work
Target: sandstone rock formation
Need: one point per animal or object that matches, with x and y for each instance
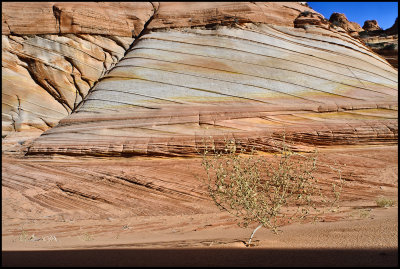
(190, 14)
(53, 53)
(165, 79)
(175, 88)
(340, 20)
(98, 18)
(310, 18)
(383, 42)
(386, 46)
(242, 70)
(46, 76)
(371, 25)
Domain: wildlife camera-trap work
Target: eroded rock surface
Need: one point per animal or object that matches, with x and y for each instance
(53, 53)
(175, 88)
(310, 18)
(383, 42)
(340, 20)
(162, 79)
(191, 14)
(101, 18)
(371, 25)
(46, 76)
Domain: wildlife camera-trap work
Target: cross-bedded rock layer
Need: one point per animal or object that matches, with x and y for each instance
(53, 53)
(46, 76)
(195, 70)
(176, 88)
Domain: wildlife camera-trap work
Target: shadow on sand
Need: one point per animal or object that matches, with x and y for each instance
(203, 257)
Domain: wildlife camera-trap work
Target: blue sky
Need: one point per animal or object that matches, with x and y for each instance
(384, 12)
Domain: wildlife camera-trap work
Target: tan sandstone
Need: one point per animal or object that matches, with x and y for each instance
(106, 107)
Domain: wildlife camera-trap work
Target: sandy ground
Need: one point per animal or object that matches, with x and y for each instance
(157, 204)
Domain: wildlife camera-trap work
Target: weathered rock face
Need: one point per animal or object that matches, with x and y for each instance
(199, 70)
(383, 42)
(175, 88)
(310, 18)
(53, 53)
(340, 20)
(99, 18)
(371, 25)
(386, 46)
(163, 79)
(191, 14)
(46, 76)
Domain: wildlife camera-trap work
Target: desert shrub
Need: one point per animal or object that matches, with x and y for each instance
(391, 46)
(270, 193)
(305, 13)
(384, 202)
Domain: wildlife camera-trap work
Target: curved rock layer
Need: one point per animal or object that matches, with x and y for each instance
(53, 53)
(176, 88)
(46, 76)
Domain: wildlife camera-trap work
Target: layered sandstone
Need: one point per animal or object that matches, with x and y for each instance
(46, 76)
(99, 18)
(176, 88)
(383, 42)
(54, 52)
(386, 46)
(50, 63)
(195, 70)
(166, 79)
(193, 14)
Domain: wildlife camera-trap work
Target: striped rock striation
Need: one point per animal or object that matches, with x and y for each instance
(53, 53)
(148, 79)
(46, 76)
(160, 78)
(191, 14)
(175, 89)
